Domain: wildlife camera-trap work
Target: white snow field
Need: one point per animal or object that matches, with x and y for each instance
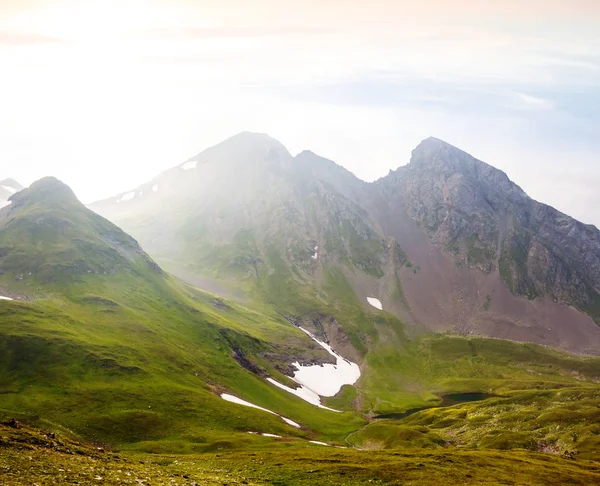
(12, 190)
(190, 165)
(239, 401)
(375, 303)
(126, 197)
(318, 443)
(328, 379)
(5, 298)
(318, 381)
(155, 188)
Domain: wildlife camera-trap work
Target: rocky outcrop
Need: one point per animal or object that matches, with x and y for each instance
(489, 223)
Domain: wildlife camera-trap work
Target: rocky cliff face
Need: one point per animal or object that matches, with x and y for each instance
(489, 223)
(446, 241)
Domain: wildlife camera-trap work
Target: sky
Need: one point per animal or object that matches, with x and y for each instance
(107, 94)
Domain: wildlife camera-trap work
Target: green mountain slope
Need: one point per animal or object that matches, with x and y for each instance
(101, 341)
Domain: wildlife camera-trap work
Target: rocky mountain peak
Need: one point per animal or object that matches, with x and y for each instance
(435, 158)
(433, 152)
(256, 145)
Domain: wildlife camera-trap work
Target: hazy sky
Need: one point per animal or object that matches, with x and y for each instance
(105, 94)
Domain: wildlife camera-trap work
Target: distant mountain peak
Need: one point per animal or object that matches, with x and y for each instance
(249, 140)
(245, 147)
(11, 183)
(433, 149)
(8, 187)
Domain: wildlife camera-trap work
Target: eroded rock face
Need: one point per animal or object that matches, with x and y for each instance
(489, 223)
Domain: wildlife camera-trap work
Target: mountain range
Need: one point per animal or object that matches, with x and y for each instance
(447, 241)
(248, 308)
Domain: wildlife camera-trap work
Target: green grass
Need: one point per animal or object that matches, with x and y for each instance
(131, 355)
(29, 457)
(563, 421)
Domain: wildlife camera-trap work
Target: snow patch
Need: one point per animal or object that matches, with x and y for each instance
(155, 188)
(291, 422)
(375, 303)
(304, 393)
(316, 255)
(239, 401)
(12, 190)
(328, 379)
(271, 435)
(126, 197)
(189, 165)
(4, 203)
(318, 443)
(5, 298)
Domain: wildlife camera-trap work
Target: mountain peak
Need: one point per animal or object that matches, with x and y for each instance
(48, 189)
(436, 154)
(433, 148)
(440, 157)
(245, 147)
(252, 140)
(11, 183)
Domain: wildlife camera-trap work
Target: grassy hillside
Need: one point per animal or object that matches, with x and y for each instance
(128, 354)
(101, 346)
(29, 456)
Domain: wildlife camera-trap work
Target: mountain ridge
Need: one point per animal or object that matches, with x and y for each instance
(426, 240)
